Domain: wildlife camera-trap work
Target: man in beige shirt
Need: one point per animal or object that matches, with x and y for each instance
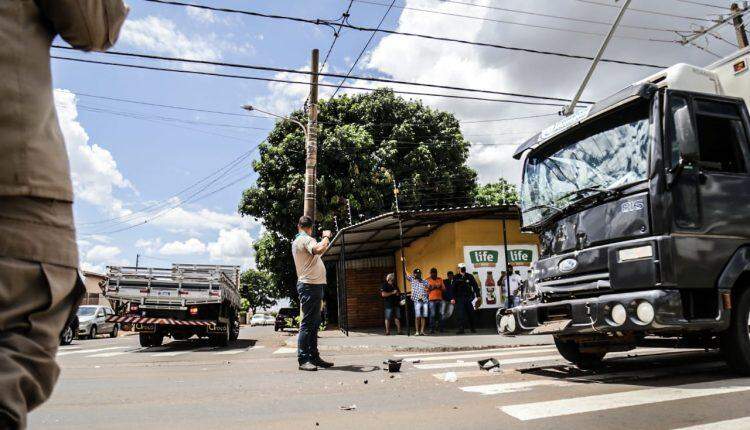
(311, 282)
(39, 284)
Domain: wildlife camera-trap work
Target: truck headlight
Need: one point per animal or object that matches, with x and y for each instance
(619, 314)
(645, 312)
(638, 253)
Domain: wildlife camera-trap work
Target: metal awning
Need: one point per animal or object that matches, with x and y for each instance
(379, 235)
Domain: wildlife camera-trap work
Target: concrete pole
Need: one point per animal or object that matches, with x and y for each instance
(311, 162)
(739, 26)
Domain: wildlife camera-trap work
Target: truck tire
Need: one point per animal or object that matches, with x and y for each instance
(150, 339)
(220, 339)
(234, 330)
(571, 351)
(735, 341)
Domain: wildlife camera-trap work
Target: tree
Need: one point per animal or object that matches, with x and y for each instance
(496, 193)
(258, 289)
(367, 143)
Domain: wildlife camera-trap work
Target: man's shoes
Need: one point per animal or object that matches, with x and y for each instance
(308, 367)
(319, 362)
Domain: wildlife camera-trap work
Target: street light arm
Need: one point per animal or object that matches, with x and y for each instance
(251, 108)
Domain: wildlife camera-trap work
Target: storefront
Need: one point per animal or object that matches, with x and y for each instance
(362, 254)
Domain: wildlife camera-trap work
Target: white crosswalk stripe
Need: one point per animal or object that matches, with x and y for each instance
(109, 354)
(739, 423)
(603, 402)
(173, 353)
(472, 351)
(285, 350)
(88, 351)
(68, 348)
(478, 355)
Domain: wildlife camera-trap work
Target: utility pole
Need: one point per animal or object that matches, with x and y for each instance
(739, 25)
(403, 258)
(311, 159)
(137, 260)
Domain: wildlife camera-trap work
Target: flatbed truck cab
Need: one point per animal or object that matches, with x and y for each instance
(642, 206)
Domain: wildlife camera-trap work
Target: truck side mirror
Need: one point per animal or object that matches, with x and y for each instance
(684, 136)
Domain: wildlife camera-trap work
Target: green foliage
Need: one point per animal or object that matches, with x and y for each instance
(257, 290)
(244, 304)
(496, 193)
(365, 142)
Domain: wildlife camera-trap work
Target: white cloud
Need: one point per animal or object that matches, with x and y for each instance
(285, 98)
(233, 247)
(421, 60)
(102, 253)
(93, 169)
(202, 15)
(161, 36)
(190, 246)
(191, 221)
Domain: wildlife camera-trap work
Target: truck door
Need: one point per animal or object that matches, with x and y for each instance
(711, 195)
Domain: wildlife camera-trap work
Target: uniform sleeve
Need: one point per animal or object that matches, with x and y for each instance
(89, 25)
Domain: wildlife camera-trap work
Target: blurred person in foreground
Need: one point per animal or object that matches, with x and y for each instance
(39, 283)
(311, 282)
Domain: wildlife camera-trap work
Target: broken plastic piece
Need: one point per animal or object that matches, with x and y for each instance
(394, 364)
(450, 377)
(488, 364)
(348, 408)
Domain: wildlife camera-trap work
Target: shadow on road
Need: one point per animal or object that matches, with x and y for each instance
(182, 345)
(355, 368)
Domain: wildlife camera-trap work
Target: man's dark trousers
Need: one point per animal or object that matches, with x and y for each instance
(310, 296)
(465, 313)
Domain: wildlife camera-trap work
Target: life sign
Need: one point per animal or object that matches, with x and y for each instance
(520, 257)
(484, 258)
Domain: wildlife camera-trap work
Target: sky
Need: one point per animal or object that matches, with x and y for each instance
(164, 182)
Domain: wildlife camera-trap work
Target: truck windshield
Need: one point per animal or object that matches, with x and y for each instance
(604, 155)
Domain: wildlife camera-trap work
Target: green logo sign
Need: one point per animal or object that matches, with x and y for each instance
(520, 257)
(484, 258)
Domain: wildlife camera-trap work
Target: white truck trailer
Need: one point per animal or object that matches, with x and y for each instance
(182, 301)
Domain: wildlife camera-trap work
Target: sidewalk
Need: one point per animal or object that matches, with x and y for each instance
(334, 340)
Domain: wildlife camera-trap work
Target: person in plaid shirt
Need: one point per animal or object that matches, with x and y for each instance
(420, 297)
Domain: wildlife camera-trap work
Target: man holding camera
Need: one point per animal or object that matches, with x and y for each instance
(311, 282)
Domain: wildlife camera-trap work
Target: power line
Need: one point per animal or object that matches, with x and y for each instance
(522, 24)
(364, 48)
(336, 34)
(702, 4)
(332, 75)
(286, 81)
(409, 34)
(566, 18)
(510, 119)
(646, 11)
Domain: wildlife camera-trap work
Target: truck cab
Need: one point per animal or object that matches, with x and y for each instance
(642, 206)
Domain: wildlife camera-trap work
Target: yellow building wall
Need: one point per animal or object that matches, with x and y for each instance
(444, 248)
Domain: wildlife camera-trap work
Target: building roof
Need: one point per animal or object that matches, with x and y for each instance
(379, 235)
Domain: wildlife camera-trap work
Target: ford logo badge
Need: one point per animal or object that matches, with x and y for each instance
(567, 265)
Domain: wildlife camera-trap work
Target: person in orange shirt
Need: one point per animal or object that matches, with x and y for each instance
(435, 288)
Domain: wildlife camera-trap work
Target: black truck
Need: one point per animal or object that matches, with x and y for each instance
(642, 206)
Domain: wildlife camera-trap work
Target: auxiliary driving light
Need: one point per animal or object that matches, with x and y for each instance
(619, 314)
(193, 311)
(645, 312)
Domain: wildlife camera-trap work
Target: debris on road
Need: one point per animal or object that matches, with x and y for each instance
(489, 364)
(394, 364)
(450, 377)
(348, 408)
(366, 381)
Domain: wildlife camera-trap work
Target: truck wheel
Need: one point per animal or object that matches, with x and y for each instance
(234, 330)
(219, 339)
(145, 339)
(571, 351)
(735, 341)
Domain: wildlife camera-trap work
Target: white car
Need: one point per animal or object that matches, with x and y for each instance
(258, 319)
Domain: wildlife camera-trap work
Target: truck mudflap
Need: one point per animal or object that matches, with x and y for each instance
(650, 311)
(161, 321)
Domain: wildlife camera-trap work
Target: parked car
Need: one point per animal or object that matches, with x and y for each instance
(93, 321)
(259, 319)
(70, 330)
(270, 319)
(286, 318)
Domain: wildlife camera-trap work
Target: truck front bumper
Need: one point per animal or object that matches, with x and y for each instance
(661, 312)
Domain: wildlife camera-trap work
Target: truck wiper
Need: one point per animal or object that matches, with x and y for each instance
(554, 208)
(581, 191)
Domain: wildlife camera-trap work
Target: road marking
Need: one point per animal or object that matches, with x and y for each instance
(68, 348)
(514, 387)
(486, 351)
(739, 423)
(478, 355)
(173, 353)
(579, 405)
(238, 351)
(109, 354)
(87, 351)
(533, 359)
(285, 350)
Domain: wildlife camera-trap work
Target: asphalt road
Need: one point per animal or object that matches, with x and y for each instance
(113, 384)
